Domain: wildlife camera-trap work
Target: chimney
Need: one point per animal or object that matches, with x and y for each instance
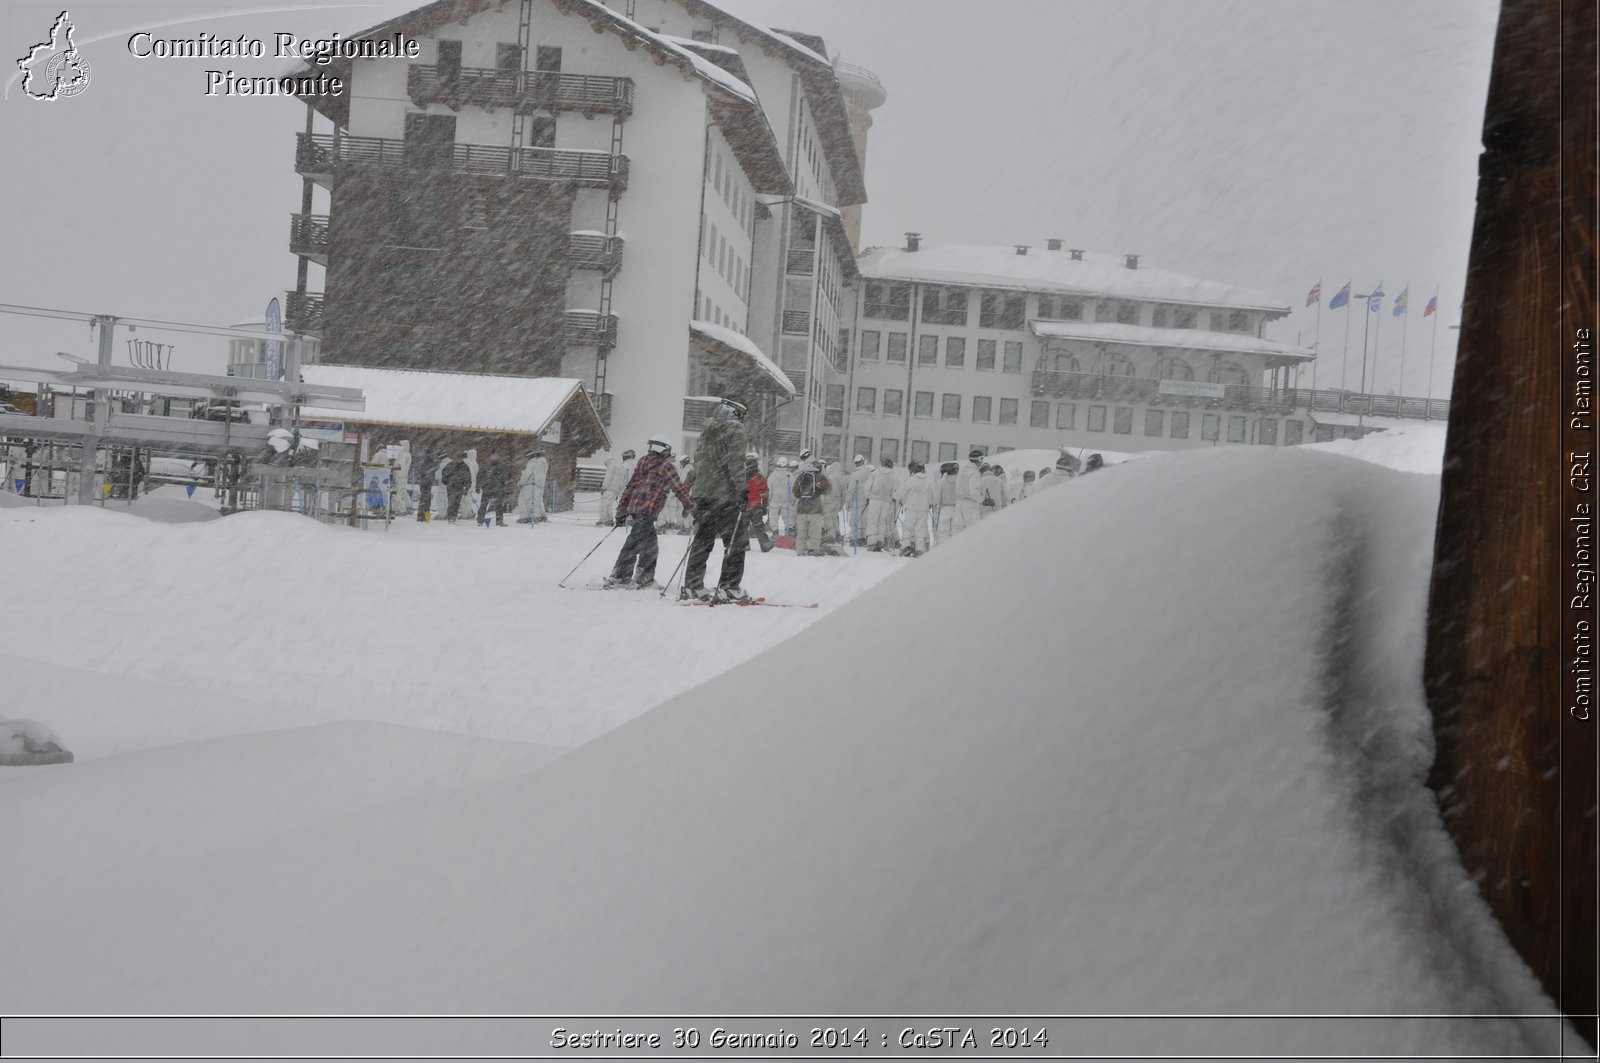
(1052, 245)
(913, 241)
(1076, 253)
(1022, 249)
(1133, 261)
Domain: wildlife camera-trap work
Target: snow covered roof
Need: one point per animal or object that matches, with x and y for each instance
(730, 345)
(833, 221)
(1182, 338)
(1104, 276)
(416, 398)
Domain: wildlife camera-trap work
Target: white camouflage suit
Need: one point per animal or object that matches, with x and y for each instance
(969, 493)
(915, 496)
(879, 493)
(611, 486)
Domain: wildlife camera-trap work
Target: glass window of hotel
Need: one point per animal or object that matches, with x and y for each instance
(1039, 414)
(1013, 360)
(897, 347)
(1127, 313)
(947, 452)
(1267, 431)
(1228, 373)
(1002, 310)
(1216, 321)
(1008, 411)
(893, 402)
(889, 448)
(833, 413)
(1065, 362)
(920, 449)
(1158, 316)
(1153, 422)
(1236, 428)
(980, 407)
(450, 59)
(548, 58)
(1097, 419)
(1210, 427)
(1238, 321)
(955, 351)
(951, 409)
(1172, 367)
(1105, 310)
(887, 302)
(927, 350)
(863, 447)
(1066, 414)
(832, 445)
(1122, 421)
(1180, 424)
(986, 354)
(1061, 307)
(922, 405)
(944, 306)
(1324, 433)
(540, 131)
(1183, 317)
(507, 57)
(1118, 364)
(867, 399)
(869, 345)
(1293, 433)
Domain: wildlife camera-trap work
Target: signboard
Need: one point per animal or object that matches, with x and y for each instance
(552, 434)
(274, 348)
(1192, 389)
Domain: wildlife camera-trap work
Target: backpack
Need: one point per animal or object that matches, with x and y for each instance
(805, 486)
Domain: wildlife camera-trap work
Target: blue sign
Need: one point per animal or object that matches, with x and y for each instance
(274, 348)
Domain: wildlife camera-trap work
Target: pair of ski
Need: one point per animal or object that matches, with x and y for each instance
(599, 585)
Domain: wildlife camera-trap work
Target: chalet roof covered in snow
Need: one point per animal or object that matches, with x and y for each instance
(736, 353)
(513, 405)
(1172, 338)
(1095, 275)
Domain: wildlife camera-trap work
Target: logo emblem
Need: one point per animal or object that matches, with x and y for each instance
(55, 69)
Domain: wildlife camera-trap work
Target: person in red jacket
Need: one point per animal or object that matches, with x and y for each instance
(757, 499)
(653, 477)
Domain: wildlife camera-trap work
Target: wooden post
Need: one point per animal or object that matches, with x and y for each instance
(1515, 767)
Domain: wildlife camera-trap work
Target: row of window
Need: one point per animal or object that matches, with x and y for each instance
(984, 409)
(725, 259)
(507, 57)
(734, 195)
(883, 300)
(955, 351)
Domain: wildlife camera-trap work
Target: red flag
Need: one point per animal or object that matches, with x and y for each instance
(1315, 294)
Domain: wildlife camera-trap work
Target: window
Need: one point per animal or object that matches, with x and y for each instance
(897, 347)
(832, 446)
(1183, 317)
(863, 447)
(920, 449)
(951, 410)
(548, 59)
(1158, 316)
(541, 131)
(1267, 432)
(887, 302)
(833, 413)
(1008, 411)
(1122, 421)
(927, 350)
(869, 345)
(1039, 414)
(1105, 310)
(955, 352)
(894, 401)
(947, 452)
(507, 57)
(944, 306)
(450, 59)
(1172, 367)
(986, 355)
(1228, 373)
(1180, 424)
(889, 448)
(1238, 321)
(867, 400)
(922, 406)
(1216, 321)
(1097, 419)
(1060, 308)
(1127, 313)
(1324, 433)
(1210, 427)
(1066, 414)
(1236, 428)
(980, 407)
(1007, 310)
(1293, 433)
(1013, 362)
(1153, 422)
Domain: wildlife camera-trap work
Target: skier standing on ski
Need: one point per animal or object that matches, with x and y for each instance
(655, 479)
(879, 493)
(778, 484)
(855, 499)
(969, 489)
(811, 490)
(457, 479)
(915, 496)
(949, 499)
(426, 468)
(719, 495)
(492, 484)
(993, 490)
(611, 486)
(832, 500)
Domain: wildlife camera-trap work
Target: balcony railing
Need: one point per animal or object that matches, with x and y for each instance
(887, 311)
(1237, 396)
(797, 322)
(797, 377)
(538, 90)
(308, 236)
(595, 251)
(317, 155)
(802, 262)
(303, 312)
(590, 328)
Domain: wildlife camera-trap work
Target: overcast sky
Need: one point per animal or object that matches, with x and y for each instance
(1268, 143)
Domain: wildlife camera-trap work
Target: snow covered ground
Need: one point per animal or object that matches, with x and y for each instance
(1150, 743)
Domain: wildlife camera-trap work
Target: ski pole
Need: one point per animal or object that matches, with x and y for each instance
(586, 557)
(667, 586)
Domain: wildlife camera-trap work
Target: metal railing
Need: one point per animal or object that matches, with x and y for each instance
(590, 328)
(801, 262)
(542, 90)
(308, 235)
(1145, 390)
(595, 251)
(317, 154)
(887, 311)
(797, 322)
(303, 311)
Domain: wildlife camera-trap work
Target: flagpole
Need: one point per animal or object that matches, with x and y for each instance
(1344, 364)
(1366, 310)
(1405, 326)
(1316, 341)
(1431, 347)
(1377, 337)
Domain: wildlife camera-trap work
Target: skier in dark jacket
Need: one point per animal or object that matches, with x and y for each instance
(457, 480)
(426, 468)
(493, 483)
(719, 500)
(654, 478)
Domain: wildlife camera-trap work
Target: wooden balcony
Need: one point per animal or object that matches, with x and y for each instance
(303, 313)
(590, 328)
(530, 90)
(318, 155)
(1129, 389)
(308, 236)
(595, 251)
(796, 322)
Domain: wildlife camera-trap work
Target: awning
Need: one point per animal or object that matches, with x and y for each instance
(1171, 339)
(739, 358)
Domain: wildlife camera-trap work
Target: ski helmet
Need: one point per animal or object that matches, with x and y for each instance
(628, 455)
(658, 444)
(975, 455)
(887, 463)
(804, 454)
(914, 467)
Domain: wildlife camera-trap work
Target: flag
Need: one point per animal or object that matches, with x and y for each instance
(1432, 307)
(1342, 297)
(1400, 302)
(1375, 300)
(1315, 294)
